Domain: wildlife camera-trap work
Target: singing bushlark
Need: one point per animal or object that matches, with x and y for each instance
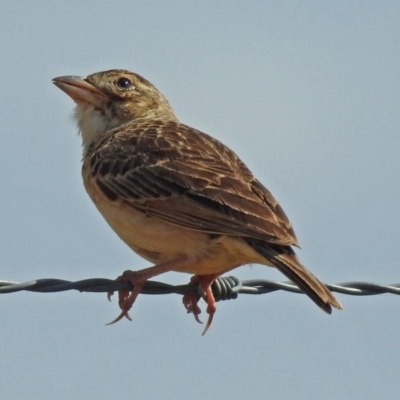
(176, 196)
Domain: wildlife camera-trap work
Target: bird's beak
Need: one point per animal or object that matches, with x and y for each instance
(81, 91)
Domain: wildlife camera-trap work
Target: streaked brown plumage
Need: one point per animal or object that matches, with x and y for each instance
(176, 196)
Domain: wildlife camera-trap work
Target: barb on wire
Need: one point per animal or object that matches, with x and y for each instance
(224, 288)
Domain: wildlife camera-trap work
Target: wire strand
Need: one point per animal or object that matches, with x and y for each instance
(224, 288)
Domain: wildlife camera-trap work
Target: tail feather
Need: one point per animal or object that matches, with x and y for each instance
(285, 259)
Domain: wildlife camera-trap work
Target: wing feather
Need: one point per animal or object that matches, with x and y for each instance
(187, 178)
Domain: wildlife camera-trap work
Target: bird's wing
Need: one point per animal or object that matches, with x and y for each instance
(187, 178)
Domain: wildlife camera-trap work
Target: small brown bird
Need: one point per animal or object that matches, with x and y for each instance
(176, 196)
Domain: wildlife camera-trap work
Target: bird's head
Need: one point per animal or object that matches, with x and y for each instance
(109, 99)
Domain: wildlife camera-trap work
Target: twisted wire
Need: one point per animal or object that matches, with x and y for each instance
(224, 288)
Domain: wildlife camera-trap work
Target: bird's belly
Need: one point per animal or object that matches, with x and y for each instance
(150, 237)
(158, 241)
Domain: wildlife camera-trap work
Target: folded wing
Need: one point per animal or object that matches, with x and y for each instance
(185, 177)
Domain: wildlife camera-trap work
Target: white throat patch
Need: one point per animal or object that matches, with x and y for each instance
(92, 123)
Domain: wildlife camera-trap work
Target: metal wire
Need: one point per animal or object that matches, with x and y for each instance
(224, 288)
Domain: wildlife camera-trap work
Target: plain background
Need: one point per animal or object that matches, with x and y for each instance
(307, 92)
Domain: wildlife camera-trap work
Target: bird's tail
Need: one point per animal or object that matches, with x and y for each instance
(285, 259)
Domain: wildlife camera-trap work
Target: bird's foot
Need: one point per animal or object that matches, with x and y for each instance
(125, 297)
(190, 301)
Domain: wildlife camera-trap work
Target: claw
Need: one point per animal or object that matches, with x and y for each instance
(208, 324)
(190, 303)
(196, 317)
(123, 314)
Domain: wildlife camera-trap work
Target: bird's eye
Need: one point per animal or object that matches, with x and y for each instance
(124, 83)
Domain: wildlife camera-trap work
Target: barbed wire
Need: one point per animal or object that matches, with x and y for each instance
(224, 288)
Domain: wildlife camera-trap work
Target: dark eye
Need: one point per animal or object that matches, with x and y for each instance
(124, 83)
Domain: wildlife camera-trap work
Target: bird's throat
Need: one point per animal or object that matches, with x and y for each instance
(92, 123)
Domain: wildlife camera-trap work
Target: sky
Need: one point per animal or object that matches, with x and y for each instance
(307, 93)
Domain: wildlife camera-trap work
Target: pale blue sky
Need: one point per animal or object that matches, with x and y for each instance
(307, 93)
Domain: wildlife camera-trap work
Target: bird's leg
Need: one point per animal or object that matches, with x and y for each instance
(190, 301)
(139, 278)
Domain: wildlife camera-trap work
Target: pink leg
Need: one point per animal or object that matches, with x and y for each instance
(139, 278)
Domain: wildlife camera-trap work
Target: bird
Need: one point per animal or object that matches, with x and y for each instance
(176, 196)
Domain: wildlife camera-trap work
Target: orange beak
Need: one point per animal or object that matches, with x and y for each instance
(81, 91)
